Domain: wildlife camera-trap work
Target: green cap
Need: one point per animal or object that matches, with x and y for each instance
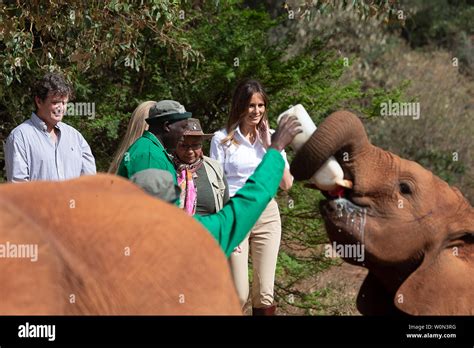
(167, 110)
(158, 183)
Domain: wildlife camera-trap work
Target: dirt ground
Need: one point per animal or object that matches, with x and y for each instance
(338, 286)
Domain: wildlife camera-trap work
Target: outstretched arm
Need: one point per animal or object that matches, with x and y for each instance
(234, 221)
(231, 224)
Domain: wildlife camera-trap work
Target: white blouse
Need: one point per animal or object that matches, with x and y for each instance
(238, 161)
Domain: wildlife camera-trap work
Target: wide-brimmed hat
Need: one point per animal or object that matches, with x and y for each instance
(167, 110)
(193, 128)
(158, 183)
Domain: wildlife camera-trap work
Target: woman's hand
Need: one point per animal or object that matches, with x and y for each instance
(264, 133)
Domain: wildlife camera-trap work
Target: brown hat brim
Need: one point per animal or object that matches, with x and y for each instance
(198, 134)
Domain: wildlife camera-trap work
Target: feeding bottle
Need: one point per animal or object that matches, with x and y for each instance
(330, 175)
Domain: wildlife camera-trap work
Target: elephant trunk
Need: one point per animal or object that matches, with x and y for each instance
(342, 130)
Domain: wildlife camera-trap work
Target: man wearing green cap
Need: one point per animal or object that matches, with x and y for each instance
(229, 226)
(167, 123)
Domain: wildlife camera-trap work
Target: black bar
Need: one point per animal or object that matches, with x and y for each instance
(232, 330)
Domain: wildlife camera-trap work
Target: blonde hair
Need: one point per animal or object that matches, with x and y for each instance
(135, 129)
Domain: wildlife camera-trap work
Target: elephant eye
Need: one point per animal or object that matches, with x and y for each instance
(405, 188)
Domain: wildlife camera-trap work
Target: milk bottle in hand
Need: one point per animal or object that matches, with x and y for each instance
(330, 175)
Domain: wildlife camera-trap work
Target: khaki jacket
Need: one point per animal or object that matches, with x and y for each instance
(215, 175)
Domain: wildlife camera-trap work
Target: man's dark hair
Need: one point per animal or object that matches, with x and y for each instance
(52, 83)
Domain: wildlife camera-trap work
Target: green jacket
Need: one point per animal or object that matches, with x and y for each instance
(234, 221)
(145, 153)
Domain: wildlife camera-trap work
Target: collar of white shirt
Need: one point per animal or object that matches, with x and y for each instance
(40, 124)
(245, 140)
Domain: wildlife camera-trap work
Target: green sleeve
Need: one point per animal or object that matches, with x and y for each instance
(233, 222)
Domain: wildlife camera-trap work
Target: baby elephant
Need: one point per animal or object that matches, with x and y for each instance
(416, 233)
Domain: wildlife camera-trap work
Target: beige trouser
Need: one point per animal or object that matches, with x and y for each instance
(264, 240)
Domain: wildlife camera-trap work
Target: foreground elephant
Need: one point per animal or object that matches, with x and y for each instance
(106, 247)
(416, 230)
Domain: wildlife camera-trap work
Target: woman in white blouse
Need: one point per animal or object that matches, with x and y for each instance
(240, 147)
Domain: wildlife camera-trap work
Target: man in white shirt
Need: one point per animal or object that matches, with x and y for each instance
(43, 147)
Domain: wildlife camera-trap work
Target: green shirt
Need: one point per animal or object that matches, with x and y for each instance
(145, 153)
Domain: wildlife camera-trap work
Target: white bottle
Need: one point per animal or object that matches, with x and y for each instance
(330, 175)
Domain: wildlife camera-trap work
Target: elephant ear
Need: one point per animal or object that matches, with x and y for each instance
(443, 284)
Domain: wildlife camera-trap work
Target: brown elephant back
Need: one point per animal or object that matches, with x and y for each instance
(106, 247)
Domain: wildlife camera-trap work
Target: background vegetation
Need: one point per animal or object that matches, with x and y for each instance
(326, 55)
